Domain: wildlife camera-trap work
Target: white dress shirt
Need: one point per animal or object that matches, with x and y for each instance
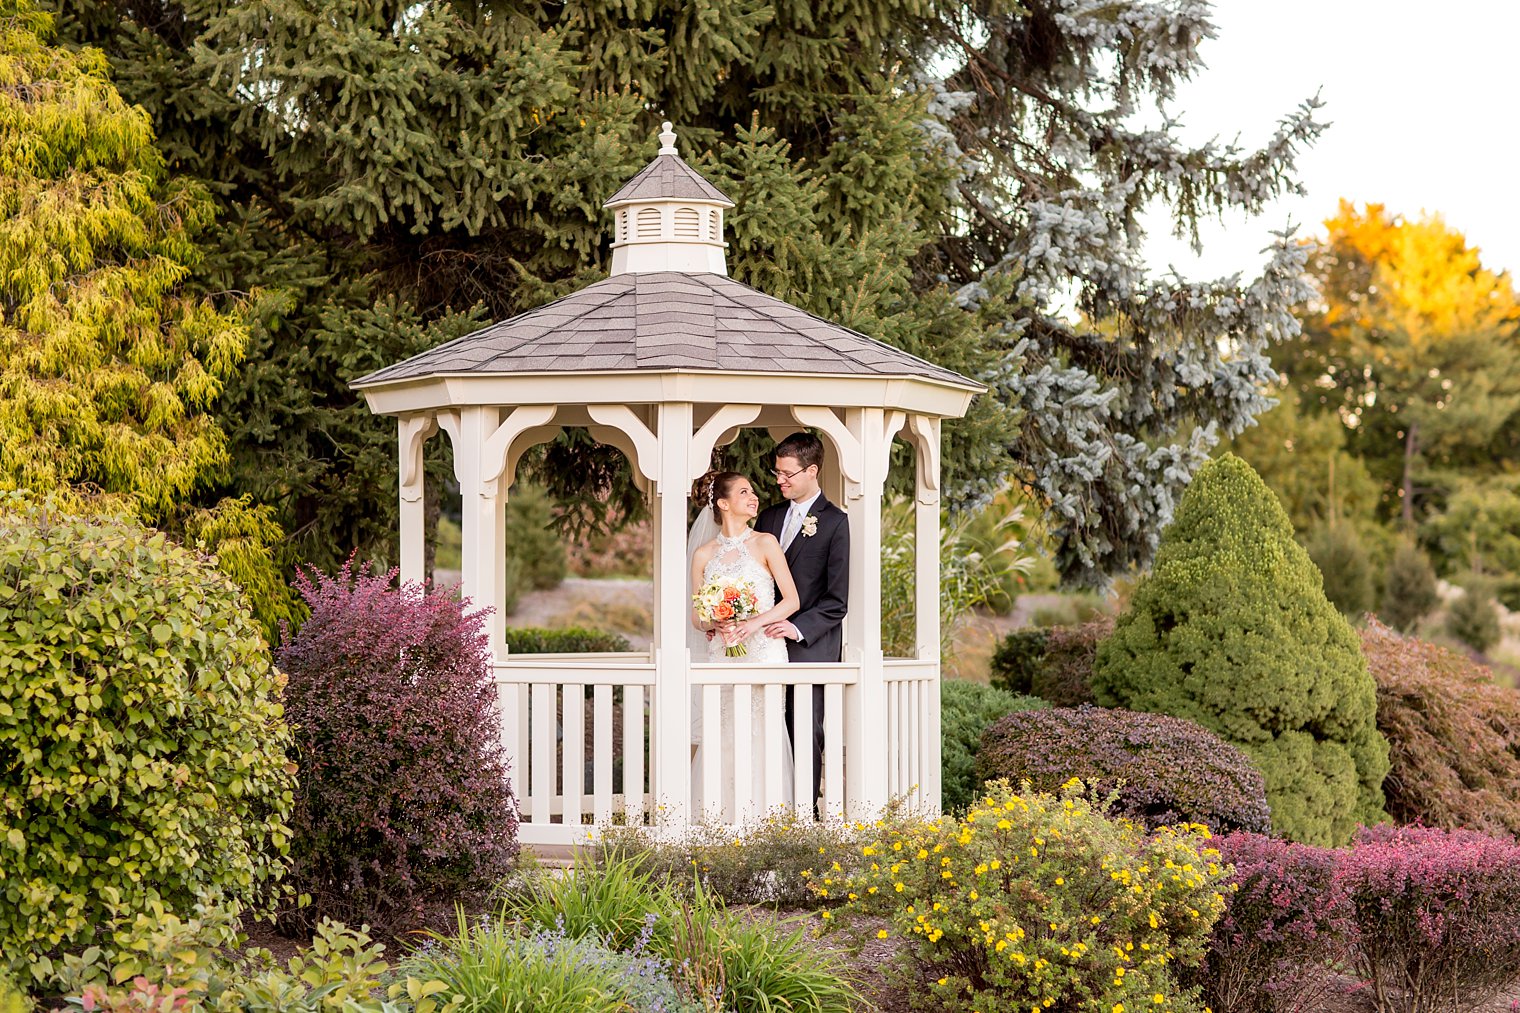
(795, 515)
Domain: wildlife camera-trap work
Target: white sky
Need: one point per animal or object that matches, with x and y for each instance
(1423, 101)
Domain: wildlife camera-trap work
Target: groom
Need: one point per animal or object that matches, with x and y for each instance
(815, 535)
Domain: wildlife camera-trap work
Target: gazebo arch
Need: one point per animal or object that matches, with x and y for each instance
(666, 359)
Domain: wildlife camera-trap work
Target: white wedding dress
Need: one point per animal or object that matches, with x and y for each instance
(733, 560)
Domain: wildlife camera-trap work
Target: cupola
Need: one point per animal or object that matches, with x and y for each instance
(668, 218)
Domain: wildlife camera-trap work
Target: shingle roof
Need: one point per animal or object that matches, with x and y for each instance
(668, 178)
(665, 320)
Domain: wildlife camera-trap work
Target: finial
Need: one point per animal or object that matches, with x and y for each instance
(667, 139)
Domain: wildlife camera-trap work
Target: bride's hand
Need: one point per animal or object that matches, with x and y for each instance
(743, 631)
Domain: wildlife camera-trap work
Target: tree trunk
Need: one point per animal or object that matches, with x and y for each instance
(1411, 447)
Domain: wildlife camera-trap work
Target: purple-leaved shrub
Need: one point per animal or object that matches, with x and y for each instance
(1437, 914)
(1164, 770)
(404, 796)
(1286, 918)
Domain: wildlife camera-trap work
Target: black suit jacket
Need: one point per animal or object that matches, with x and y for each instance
(820, 565)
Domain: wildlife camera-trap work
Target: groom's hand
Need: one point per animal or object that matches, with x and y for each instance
(782, 630)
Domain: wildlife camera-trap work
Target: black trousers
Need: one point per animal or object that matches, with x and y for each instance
(817, 741)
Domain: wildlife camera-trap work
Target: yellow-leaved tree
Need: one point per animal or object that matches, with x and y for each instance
(109, 371)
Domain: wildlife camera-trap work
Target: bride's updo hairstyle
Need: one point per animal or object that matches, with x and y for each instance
(713, 486)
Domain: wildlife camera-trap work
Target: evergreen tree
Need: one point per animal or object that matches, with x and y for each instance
(1409, 589)
(1233, 631)
(931, 173)
(111, 364)
(1474, 618)
(1341, 558)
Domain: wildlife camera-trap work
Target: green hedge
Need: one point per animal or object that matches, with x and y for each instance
(1053, 664)
(966, 709)
(570, 640)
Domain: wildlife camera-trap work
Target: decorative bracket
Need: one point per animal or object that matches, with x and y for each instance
(646, 460)
(414, 432)
(851, 462)
(493, 456)
(926, 435)
(614, 437)
(522, 443)
(728, 417)
(894, 424)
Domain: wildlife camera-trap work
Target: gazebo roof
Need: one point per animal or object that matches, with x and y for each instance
(668, 177)
(661, 322)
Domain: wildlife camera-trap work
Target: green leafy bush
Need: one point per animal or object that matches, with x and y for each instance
(1232, 630)
(532, 542)
(1040, 901)
(1161, 769)
(1474, 617)
(1453, 735)
(1409, 588)
(176, 965)
(1054, 664)
(1344, 566)
(1070, 610)
(570, 640)
(1017, 658)
(966, 709)
(146, 742)
(12, 999)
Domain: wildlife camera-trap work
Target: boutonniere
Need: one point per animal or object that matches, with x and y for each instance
(809, 526)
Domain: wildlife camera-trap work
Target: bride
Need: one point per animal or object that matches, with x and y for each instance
(722, 545)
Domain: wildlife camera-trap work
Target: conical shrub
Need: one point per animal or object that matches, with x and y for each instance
(1232, 630)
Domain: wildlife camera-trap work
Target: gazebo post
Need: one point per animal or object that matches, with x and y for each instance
(866, 749)
(670, 753)
(412, 432)
(926, 592)
(482, 518)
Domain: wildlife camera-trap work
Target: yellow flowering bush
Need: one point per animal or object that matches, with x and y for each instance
(1038, 902)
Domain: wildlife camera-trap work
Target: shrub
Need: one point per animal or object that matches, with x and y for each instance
(531, 539)
(142, 743)
(1344, 566)
(174, 966)
(12, 999)
(1041, 901)
(767, 862)
(1474, 617)
(570, 640)
(1017, 658)
(1286, 920)
(1437, 913)
(1162, 769)
(490, 966)
(404, 794)
(966, 709)
(1232, 630)
(1053, 664)
(1453, 735)
(1409, 589)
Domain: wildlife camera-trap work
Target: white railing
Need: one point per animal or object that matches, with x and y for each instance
(746, 779)
(912, 731)
(579, 734)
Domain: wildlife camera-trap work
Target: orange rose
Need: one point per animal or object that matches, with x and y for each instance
(723, 611)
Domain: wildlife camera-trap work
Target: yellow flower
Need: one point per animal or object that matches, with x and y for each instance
(1060, 881)
(1158, 998)
(881, 934)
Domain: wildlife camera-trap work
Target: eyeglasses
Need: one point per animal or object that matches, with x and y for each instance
(787, 476)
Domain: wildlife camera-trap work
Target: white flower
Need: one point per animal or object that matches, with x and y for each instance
(809, 526)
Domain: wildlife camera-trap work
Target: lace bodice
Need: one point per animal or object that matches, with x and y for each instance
(733, 560)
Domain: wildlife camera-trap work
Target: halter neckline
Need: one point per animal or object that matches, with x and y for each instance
(727, 544)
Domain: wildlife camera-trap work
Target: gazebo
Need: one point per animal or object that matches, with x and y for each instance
(665, 360)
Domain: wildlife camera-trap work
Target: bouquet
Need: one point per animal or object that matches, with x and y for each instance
(725, 601)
